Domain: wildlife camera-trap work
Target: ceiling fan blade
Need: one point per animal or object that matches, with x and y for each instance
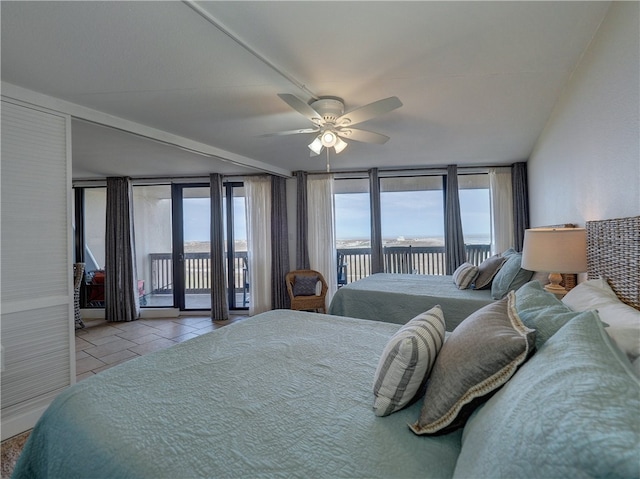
(291, 132)
(363, 136)
(301, 107)
(369, 111)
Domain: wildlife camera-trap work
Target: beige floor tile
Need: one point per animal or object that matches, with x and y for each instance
(86, 375)
(104, 340)
(102, 345)
(82, 355)
(100, 332)
(137, 332)
(185, 337)
(152, 346)
(87, 364)
(147, 338)
(173, 330)
(110, 348)
(82, 344)
(118, 357)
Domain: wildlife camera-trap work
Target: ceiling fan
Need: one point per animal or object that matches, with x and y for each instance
(332, 124)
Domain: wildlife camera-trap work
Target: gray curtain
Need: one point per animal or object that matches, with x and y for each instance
(520, 191)
(455, 253)
(219, 302)
(302, 245)
(279, 243)
(377, 254)
(121, 284)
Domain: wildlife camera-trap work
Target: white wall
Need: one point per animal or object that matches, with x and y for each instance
(586, 163)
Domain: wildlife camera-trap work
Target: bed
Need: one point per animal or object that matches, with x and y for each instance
(396, 298)
(281, 394)
(289, 394)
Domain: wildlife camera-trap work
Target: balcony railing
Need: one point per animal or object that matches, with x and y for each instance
(197, 272)
(405, 259)
(356, 263)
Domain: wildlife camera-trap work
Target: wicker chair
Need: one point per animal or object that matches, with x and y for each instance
(301, 286)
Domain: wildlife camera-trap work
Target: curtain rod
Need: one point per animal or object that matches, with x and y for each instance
(414, 171)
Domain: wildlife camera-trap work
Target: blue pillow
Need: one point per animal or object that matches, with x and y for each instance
(510, 277)
(570, 411)
(541, 311)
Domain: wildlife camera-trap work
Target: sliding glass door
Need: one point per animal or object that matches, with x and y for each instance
(191, 246)
(173, 248)
(235, 230)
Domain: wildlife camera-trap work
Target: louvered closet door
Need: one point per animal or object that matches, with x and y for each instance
(36, 289)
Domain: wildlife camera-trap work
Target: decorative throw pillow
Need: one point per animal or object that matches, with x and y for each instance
(487, 270)
(623, 321)
(304, 285)
(464, 275)
(510, 276)
(541, 311)
(406, 362)
(570, 411)
(480, 355)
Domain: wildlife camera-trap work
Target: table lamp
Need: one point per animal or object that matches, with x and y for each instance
(555, 251)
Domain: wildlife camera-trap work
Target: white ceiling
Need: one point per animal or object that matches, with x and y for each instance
(478, 79)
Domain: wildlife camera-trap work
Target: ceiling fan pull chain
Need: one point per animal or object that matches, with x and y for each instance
(328, 167)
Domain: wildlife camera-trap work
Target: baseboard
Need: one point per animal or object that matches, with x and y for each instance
(145, 313)
(19, 423)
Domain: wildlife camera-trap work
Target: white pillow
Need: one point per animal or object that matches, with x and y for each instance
(623, 321)
(407, 360)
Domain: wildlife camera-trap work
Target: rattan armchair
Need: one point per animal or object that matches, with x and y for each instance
(303, 295)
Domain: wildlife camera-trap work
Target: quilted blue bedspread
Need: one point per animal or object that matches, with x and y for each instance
(282, 394)
(397, 298)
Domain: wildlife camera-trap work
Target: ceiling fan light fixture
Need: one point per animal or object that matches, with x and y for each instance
(329, 138)
(316, 145)
(340, 145)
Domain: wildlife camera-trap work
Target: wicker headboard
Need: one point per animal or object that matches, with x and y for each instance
(613, 252)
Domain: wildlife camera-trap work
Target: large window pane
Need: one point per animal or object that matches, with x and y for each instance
(236, 246)
(412, 217)
(152, 225)
(475, 210)
(196, 217)
(95, 208)
(353, 229)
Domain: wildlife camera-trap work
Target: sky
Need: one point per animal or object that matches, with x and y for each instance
(412, 214)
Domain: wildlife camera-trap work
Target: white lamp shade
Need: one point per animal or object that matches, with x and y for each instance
(340, 145)
(555, 250)
(316, 145)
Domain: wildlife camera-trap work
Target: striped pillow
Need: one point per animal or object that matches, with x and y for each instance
(464, 275)
(406, 362)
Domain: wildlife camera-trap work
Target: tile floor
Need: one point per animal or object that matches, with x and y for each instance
(101, 345)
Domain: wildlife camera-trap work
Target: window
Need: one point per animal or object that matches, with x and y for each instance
(352, 213)
(412, 223)
(412, 220)
(352, 229)
(236, 245)
(152, 225)
(412, 211)
(475, 210)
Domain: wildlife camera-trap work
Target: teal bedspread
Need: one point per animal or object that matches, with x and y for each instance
(397, 298)
(282, 394)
